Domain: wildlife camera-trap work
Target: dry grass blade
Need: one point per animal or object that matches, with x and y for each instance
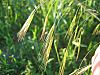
(83, 69)
(80, 71)
(62, 66)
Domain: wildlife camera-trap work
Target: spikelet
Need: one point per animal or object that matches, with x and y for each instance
(26, 25)
(47, 46)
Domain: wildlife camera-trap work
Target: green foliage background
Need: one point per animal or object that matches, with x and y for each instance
(75, 37)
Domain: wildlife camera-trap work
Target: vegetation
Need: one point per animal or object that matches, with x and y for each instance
(48, 37)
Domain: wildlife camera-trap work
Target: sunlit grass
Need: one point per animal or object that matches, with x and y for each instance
(60, 36)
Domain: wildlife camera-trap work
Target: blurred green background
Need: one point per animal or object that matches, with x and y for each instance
(76, 36)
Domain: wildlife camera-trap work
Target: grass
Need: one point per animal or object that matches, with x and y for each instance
(59, 36)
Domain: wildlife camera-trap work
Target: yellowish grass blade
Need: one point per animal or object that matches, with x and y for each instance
(72, 25)
(45, 23)
(80, 71)
(62, 66)
(83, 69)
(77, 41)
(56, 51)
(96, 30)
(44, 27)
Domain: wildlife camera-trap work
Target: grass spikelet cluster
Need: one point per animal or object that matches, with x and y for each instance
(48, 45)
